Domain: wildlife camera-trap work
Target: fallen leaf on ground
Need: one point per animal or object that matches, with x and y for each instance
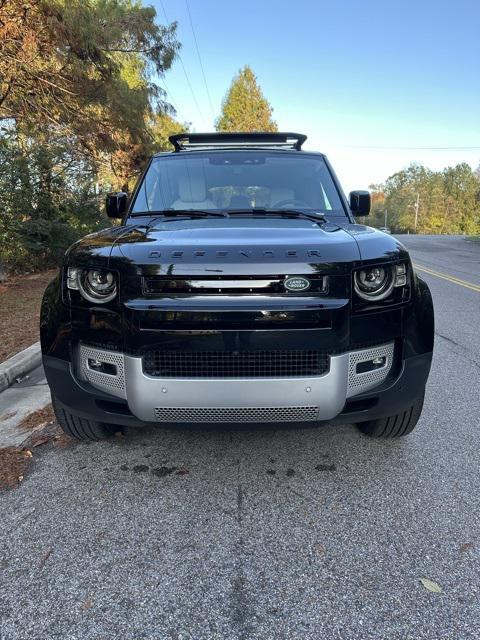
(62, 441)
(40, 441)
(430, 585)
(46, 556)
(50, 432)
(87, 604)
(13, 463)
(36, 419)
(466, 546)
(319, 548)
(7, 416)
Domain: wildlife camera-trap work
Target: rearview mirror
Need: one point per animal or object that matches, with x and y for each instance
(116, 204)
(360, 203)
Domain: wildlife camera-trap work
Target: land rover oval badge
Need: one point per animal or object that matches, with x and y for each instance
(296, 283)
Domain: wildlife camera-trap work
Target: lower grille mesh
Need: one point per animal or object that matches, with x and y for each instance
(235, 364)
(236, 414)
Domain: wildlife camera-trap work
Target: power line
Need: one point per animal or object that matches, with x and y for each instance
(184, 70)
(191, 88)
(353, 146)
(172, 99)
(200, 60)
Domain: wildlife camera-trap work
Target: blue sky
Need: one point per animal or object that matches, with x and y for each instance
(351, 75)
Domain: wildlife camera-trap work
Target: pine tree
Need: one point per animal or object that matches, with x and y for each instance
(244, 107)
(84, 70)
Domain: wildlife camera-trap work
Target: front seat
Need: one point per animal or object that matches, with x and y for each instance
(240, 202)
(192, 193)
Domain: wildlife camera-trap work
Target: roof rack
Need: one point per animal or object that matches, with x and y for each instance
(237, 140)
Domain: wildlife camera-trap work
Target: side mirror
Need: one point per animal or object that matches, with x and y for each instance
(360, 203)
(116, 204)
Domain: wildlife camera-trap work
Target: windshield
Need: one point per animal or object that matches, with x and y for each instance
(238, 180)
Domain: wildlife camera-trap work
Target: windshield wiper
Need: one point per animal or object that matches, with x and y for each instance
(197, 213)
(193, 213)
(288, 213)
(183, 214)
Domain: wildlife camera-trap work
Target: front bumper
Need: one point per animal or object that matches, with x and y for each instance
(392, 397)
(134, 398)
(258, 399)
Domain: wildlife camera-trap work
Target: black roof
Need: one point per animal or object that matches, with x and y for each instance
(237, 140)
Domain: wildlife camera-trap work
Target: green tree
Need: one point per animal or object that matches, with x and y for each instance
(49, 199)
(244, 107)
(82, 68)
(462, 197)
(162, 127)
(448, 200)
(377, 211)
(79, 114)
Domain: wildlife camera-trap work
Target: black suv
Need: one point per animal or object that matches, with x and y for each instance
(238, 288)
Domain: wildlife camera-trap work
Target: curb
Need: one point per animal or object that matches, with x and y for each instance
(21, 403)
(19, 364)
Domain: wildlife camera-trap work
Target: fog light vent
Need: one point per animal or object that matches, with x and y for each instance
(371, 365)
(103, 369)
(368, 368)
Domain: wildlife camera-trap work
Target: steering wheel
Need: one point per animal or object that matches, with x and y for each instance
(291, 204)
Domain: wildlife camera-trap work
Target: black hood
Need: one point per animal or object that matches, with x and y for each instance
(235, 245)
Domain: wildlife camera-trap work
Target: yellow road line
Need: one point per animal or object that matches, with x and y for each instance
(446, 276)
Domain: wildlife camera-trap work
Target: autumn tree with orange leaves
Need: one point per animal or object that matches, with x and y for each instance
(79, 112)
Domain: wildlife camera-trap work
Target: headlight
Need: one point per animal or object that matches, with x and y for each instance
(377, 283)
(95, 285)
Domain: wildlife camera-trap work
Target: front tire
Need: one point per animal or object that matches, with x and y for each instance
(394, 426)
(80, 428)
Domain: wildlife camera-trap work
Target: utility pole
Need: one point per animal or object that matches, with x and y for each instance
(416, 211)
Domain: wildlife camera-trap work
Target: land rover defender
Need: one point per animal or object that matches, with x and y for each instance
(237, 288)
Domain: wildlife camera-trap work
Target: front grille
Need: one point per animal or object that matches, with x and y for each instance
(235, 364)
(229, 285)
(236, 414)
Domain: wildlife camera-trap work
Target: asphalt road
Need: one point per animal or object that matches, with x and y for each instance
(272, 534)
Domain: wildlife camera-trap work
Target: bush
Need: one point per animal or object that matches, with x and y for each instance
(49, 200)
